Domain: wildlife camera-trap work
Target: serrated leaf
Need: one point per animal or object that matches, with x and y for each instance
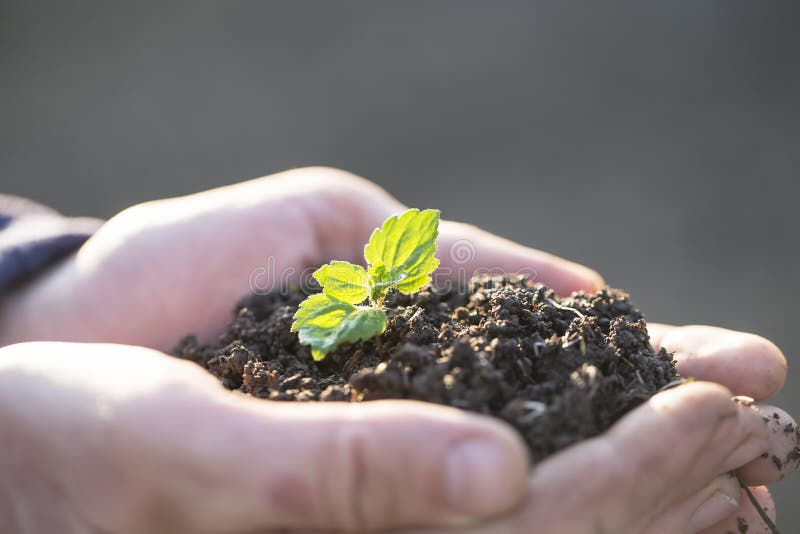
(323, 322)
(412, 284)
(401, 253)
(381, 279)
(343, 281)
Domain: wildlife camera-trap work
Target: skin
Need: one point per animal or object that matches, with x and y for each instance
(116, 437)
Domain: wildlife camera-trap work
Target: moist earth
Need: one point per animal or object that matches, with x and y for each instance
(559, 370)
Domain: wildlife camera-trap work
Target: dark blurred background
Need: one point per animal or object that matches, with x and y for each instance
(656, 142)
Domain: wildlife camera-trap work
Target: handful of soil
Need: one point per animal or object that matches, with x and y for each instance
(559, 370)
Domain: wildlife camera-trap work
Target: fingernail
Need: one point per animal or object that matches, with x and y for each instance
(718, 507)
(476, 478)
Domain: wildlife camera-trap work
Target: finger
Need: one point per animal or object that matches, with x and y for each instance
(714, 440)
(465, 251)
(783, 454)
(745, 363)
(713, 504)
(352, 467)
(657, 332)
(652, 460)
(150, 443)
(747, 518)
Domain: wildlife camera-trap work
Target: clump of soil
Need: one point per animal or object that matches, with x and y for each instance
(559, 370)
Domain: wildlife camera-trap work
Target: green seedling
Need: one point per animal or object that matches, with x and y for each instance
(401, 255)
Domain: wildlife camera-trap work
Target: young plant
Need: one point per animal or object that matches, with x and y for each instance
(401, 254)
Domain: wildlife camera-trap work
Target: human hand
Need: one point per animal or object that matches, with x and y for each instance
(120, 439)
(190, 258)
(126, 440)
(654, 470)
(162, 269)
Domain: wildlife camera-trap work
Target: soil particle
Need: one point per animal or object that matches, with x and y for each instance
(777, 461)
(558, 370)
(743, 526)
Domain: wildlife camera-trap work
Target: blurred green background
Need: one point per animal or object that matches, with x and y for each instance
(656, 142)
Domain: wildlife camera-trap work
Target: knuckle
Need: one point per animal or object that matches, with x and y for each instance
(462, 228)
(774, 365)
(359, 491)
(135, 214)
(636, 475)
(346, 189)
(334, 173)
(332, 179)
(617, 471)
(599, 510)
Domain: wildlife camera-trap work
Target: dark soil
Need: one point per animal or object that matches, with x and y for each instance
(558, 370)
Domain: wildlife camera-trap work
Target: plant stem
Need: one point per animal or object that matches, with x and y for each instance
(761, 512)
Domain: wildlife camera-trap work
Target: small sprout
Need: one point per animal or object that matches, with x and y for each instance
(323, 322)
(401, 254)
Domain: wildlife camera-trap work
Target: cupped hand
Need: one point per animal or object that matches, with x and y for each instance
(162, 269)
(668, 466)
(121, 439)
(116, 439)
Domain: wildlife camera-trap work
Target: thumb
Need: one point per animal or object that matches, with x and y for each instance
(376, 465)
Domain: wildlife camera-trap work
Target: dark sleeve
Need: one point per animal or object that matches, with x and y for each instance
(33, 237)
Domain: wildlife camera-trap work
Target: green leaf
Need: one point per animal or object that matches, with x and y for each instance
(343, 281)
(381, 279)
(401, 253)
(323, 322)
